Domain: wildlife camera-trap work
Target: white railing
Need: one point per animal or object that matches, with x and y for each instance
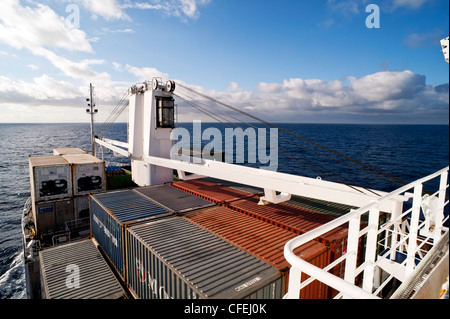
(391, 250)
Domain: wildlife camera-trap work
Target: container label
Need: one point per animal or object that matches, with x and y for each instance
(247, 284)
(156, 289)
(106, 230)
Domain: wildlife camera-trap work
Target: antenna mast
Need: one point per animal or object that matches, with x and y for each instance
(92, 111)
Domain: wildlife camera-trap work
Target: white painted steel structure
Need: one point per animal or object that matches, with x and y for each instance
(405, 234)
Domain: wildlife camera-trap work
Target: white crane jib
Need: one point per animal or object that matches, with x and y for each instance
(151, 121)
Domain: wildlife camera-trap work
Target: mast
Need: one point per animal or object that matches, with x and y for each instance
(92, 111)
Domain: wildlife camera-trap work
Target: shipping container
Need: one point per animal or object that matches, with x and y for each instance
(67, 151)
(264, 241)
(211, 191)
(245, 188)
(112, 212)
(173, 199)
(81, 206)
(118, 178)
(173, 258)
(329, 208)
(88, 174)
(77, 270)
(51, 216)
(293, 218)
(50, 178)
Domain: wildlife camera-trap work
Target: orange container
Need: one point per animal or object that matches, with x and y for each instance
(295, 219)
(211, 191)
(263, 240)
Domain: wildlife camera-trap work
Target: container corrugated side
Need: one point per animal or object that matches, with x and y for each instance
(112, 212)
(241, 187)
(264, 241)
(173, 258)
(211, 191)
(77, 271)
(173, 198)
(292, 218)
(333, 209)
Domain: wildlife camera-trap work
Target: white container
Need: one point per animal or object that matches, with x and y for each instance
(50, 178)
(81, 206)
(67, 151)
(51, 216)
(88, 174)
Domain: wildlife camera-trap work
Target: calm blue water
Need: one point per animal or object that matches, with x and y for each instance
(406, 152)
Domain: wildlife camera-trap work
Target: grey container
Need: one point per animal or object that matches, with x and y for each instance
(173, 198)
(112, 212)
(173, 258)
(77, 271)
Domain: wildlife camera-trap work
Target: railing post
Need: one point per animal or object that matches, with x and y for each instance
(441, 203)
(371, 249)
(295, 277)
(397, 228)
(352, 248)
(413, 229)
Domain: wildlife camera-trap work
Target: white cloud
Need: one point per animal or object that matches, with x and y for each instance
(184, 9)
(115, 9)
(345, 7)
(30, 28)
(146, 73)
(430, 38)
(43, 88)
(108, 9)
(409, 4)
(386, 96)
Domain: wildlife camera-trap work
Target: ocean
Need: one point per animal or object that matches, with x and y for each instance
(407, 152)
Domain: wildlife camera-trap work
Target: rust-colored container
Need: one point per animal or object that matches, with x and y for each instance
(298, 221)
(264, 241)
(293, 218)
(212, 191)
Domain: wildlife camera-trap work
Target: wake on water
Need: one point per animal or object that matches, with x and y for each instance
(12, 282)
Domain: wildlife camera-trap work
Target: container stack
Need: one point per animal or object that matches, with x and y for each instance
(257, 228)
(112, 213)
(263, 240)
(118, 177)
(51, 194)
(201, 239)
(60, 188)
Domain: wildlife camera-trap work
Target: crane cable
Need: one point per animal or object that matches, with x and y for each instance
(115, 113)
(383, 175)
(254, 138)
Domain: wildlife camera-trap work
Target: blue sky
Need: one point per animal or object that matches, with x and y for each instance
(285, 61)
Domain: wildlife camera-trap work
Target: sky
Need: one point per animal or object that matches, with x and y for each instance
(321, 61)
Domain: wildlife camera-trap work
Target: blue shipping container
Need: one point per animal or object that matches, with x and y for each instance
(112, 213)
